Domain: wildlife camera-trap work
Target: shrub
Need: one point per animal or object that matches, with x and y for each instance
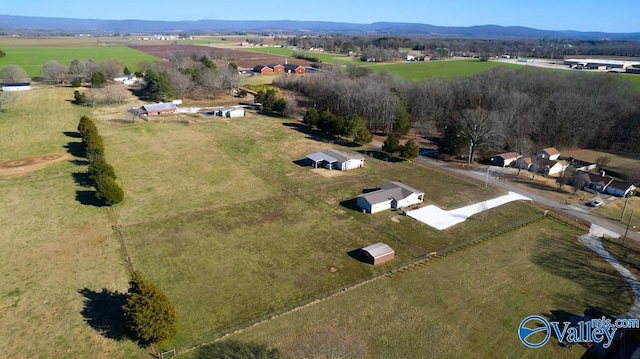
(108, 191)
(86, 126)
(93, 145)
(76, 83)
(98, 167)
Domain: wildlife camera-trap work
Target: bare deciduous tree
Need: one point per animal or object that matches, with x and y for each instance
(13, 73)
(479, 127)
(5, 99)
(111, 68)
(54, 71)
(183, 84)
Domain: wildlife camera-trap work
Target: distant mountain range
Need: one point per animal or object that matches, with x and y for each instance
(9, 23)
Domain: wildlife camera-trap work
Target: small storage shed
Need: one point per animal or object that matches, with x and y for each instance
(378, 253)
(234, 112)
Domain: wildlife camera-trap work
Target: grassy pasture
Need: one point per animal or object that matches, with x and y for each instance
(216, 213)
(31, 58)
(53, 246)
(463, 305)
(415, 71)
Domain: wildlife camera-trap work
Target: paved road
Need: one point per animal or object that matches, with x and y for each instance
(574, 211)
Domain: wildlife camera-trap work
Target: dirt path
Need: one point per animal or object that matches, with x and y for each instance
(25, 165)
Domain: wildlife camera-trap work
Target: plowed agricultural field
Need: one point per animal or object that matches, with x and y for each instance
(244, 59)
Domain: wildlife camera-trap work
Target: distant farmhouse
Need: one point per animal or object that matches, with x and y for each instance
(391, 194)
(126, 79)
(331, 159)
(279, 69)
(261, 69)
(155, 109)
(16, 86)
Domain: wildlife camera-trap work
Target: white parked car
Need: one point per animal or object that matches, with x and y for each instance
(596, 203)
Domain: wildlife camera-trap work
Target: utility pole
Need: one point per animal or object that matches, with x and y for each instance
(627, 230)
(624, 208)
(486, 180)
(470, 149)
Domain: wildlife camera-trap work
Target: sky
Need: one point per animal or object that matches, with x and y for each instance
(586, 15)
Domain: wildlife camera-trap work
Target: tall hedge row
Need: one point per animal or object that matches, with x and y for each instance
(100, 172)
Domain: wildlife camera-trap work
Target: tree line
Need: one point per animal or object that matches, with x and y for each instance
(101, 173)
(499, 110)
(461, 46)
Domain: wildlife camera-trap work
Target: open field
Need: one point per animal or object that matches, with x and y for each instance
(220, 216)
(244, 59)
(57, 253)
(463, 305)
(31, 59)
(415, 71)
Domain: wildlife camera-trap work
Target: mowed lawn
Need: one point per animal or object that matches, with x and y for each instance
(468, 304)
(32, 58)
(56, 252)
(415, 71)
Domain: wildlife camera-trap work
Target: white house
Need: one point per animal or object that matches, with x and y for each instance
(126, 79)
(16, 86)
(390, 195)
(234, 112)
(505, 159)
(331, 159)
(549, 153)
(549, 167)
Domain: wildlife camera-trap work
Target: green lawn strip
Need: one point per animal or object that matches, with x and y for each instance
(31, 59)
(434, 69)
(466, 304)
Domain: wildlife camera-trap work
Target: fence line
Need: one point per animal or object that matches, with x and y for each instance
(117, 226)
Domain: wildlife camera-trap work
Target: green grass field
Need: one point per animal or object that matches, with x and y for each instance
(53, 246)
(463, 305)
(415, 71)
(218, 214)
(32, 58)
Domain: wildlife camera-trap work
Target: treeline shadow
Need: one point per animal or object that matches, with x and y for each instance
(88, 198)
(379, 155)
(102, 311)
(570, 260)
(76, 149)
(317, 135)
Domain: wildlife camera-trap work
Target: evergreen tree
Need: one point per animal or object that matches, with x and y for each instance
(148, 312)
(454, 141)
(159, 87)
(98, 167)
(98, 79)
(126, 71)
(391, 145)
(409, 150)
(311, 117)
(108, 191)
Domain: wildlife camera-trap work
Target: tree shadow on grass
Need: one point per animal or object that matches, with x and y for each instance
(88, 198)
(379, 155)
(72, 134)
(103, 312)
(603, 286)
(82, 179)
(76, 149)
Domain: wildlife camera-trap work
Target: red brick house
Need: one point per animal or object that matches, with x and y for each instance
(277, 68)
(261, 69)
(294, 69)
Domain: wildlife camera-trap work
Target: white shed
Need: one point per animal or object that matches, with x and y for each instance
(234, 112)
(17, 86)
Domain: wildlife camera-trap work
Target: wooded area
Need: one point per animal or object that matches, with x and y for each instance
(498, 110)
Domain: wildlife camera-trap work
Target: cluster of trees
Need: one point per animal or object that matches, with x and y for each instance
(449, 46)
(499, 110)
(2, 54)
(100, 96)
(407, 151)
(87, 70)
(271, 101)
(188, 75)
(148, 313)
(305, 56)
(353, 126)
(101, 173)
